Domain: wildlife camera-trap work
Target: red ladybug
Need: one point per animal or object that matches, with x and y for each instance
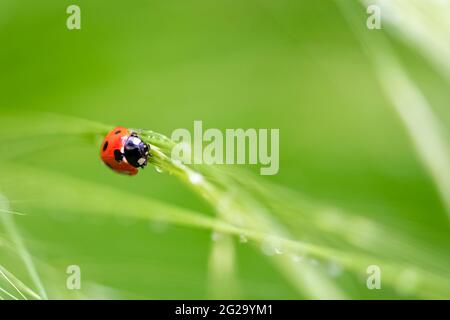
(124, 152)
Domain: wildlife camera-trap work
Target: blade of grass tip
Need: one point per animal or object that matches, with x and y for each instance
(21, 248)
(422, 125)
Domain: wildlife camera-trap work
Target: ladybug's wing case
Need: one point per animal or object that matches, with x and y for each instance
(111, 151)
(122, 167)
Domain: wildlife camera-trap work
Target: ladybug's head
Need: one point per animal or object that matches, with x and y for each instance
(136, 151)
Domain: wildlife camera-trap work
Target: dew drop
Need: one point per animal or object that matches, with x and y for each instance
(195, 178)
(278, 250)
(271, 247)
(243, 239)
(158, 169)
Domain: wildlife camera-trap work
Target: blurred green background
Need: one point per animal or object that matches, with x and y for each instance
(310, 68)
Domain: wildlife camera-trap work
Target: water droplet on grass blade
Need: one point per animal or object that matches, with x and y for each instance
(243, 239)
(195, 178)
(271, 247)
(278, 250)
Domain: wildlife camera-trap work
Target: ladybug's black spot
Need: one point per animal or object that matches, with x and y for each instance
(117, 132)
(118, 156)
(105, 146)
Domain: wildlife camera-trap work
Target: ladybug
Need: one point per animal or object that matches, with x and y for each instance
(124, 152)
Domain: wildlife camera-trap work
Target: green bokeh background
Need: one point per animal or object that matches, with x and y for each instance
(160, 65)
